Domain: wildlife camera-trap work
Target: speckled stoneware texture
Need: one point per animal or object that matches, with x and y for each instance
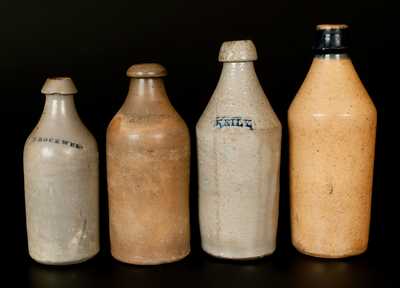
(61, 181)
(148, 156)
(239, 145)
(332, 123)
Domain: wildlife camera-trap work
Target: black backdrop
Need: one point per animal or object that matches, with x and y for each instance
(95, 42)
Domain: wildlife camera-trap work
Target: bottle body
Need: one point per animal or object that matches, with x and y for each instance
(148, 158)
(332, 127)
(61, 187)
(238, 142)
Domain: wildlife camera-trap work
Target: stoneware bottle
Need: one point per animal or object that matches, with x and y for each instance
(148, 153)
(239, 144)
(332, 123)
(61, 181)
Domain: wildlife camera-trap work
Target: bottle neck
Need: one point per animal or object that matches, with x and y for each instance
(146, 95)
(238, 72)
(238, 79)
(333, 56)
(332, 63)
(59, 107)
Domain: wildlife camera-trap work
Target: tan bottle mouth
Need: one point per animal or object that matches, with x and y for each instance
(331, 26)
(146, 70)
(59, 85)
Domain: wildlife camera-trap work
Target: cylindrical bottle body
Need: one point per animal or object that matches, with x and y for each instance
(332, 124)
(148, 158)
(239, 191)
(238, 143)
(61, 193)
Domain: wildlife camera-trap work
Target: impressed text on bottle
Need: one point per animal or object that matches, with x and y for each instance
(57, 141)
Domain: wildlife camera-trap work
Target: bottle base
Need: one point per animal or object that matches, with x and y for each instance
(72, 262)
(329, 256)
(148, 262)
(231, 256)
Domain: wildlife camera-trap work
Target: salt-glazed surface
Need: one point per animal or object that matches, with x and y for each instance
(332, 123)
(148, 155)
(61, 181)
(239, 145)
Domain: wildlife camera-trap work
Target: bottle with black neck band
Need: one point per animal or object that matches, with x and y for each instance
(61, 181)
(332, 127)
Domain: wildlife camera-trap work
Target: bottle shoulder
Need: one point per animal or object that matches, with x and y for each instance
(258, 110)
(239, 94)
(61, 140)
(159, 127)
(333, 90)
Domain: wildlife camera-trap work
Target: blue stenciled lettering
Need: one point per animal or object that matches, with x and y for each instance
(224, 121)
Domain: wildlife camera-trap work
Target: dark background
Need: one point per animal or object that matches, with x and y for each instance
(95, 42)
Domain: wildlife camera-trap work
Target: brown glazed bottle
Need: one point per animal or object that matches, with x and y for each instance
(332, 123)
(148, 153)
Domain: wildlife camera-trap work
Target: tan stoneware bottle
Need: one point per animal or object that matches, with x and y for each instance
(148, 155)
(61, 181)
(332, 126)
(239, 146)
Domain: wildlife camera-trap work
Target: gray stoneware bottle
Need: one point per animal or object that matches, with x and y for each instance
(61, 181)
(239, 146)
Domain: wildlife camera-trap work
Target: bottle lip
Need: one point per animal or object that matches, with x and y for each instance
(237, 51)
(331, 26)
(146, 70)
(59, 85)
(331, 39)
